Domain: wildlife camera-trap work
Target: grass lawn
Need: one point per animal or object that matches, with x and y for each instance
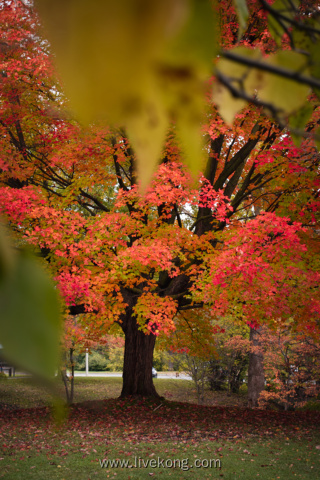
(159, 439)
(23, 392)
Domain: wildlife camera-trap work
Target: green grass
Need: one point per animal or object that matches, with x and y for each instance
(250, 444)
(24, 393)
(266, 460)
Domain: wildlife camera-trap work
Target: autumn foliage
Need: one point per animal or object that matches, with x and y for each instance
(241, 238)
(292, 369)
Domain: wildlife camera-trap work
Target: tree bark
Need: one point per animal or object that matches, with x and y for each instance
(68, 381)
(137, 365)
(256, 379)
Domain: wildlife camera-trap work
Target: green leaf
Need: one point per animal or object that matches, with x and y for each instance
(6, 256)
(314, 49)
(30, 317)
(286, 8)
(243, 14)
(298, 120)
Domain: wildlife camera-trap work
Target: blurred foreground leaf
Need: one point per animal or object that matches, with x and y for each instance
(287, 95)
(29, 313)
(281, 95)
(301, 117)
(140, 64)
(288, 10)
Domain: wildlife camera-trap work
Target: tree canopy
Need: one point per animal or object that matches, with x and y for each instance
(240, 238)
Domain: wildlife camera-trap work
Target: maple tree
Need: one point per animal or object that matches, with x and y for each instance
(240, 240)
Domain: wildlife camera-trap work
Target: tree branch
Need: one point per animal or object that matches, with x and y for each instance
(267, 67)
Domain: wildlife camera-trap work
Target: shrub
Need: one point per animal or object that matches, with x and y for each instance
(292, 369)
(97, 362)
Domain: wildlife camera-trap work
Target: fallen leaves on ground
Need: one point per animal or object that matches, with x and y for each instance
(102, 423)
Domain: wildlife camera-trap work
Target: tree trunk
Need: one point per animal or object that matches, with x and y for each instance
(256, 379)
(138, 357)
(72, 375)
(68, 381)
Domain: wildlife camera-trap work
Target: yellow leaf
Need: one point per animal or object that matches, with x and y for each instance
(241, 77)
(285, 94)
(282, 92)
(105, 49)
(147, 132)
(227, 104)
(136, 63)
(196, 43)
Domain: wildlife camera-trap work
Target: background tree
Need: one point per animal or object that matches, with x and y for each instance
(230, 366)
(292, 368)
(198, 369)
